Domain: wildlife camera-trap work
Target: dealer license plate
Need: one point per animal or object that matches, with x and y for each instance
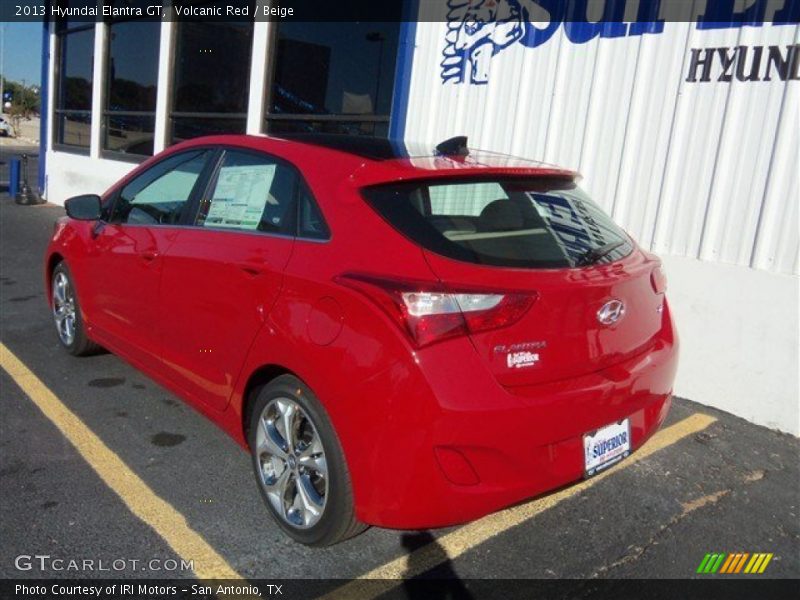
(606, 446)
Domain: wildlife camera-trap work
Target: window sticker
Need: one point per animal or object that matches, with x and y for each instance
(240, 196)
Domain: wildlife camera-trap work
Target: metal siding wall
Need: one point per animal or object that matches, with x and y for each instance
(776, 246)
(704, 170)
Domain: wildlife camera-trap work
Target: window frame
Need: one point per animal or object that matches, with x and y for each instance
(62, 30)
(194, 208)
(312, 200)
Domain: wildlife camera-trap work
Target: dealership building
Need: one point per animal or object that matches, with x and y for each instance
(687, 132)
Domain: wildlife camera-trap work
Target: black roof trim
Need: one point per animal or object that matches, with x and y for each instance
(371, 148)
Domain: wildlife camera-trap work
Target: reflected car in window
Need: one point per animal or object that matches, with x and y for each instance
(5, 128)
(399, 335)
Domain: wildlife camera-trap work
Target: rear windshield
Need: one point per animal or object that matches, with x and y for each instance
(534, 223)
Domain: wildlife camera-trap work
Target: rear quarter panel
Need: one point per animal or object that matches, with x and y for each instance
(366, 376)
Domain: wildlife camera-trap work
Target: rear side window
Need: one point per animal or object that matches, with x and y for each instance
(251, 192)
(531, 223)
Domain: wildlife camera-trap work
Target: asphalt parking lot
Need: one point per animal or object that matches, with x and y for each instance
(709, 482)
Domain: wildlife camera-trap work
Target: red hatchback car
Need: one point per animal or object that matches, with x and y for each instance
(400, 338)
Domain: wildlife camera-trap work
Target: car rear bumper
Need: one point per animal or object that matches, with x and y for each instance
(473, 447)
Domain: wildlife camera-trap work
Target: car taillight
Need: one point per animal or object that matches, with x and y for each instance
(658, 280)
(430, 312)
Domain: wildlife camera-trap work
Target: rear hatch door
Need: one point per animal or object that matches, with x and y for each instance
(596, 301)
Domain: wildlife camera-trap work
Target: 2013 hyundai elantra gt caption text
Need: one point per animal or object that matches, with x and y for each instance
(400, 337)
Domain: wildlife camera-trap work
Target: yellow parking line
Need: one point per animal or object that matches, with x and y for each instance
(456, 543)
(134, 493)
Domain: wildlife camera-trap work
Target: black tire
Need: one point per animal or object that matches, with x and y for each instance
(337, 521)
(80, 345)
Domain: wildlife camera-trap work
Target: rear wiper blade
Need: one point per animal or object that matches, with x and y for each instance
(595, 254)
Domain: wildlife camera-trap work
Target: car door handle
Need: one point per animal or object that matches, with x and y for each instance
(251, 270)
(149, 255)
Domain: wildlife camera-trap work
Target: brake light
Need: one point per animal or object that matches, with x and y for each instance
(658, 280)
(429, 312)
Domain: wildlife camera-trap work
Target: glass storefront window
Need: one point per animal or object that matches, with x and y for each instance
(132, 80)
(293, 124)
(73, 102)
(211, 79)
(192, 126)
(333, 77)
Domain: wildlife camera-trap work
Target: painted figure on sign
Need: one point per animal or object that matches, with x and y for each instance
(477, 30)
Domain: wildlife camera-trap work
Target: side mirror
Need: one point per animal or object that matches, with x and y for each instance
(84, 208)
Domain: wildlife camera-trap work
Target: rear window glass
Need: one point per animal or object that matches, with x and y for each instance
(534, 223)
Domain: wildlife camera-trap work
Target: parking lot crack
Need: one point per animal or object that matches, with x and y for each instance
(687, 508)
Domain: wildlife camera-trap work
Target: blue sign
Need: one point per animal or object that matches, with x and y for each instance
(477, 30)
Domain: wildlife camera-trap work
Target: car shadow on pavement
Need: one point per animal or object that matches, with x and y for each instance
(438, 582)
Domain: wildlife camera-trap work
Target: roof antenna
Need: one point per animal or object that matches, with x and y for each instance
(455, 146)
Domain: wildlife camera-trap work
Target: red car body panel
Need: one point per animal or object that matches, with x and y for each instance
(205, 312)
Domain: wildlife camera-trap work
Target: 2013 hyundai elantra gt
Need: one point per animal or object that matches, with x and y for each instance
(400, 337)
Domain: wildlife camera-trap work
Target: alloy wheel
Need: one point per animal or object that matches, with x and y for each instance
(64, 308)
(291, 463)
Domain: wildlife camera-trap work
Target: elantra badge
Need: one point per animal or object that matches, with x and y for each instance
(611, 312)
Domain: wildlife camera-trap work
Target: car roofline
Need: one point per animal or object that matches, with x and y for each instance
(368, 171)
